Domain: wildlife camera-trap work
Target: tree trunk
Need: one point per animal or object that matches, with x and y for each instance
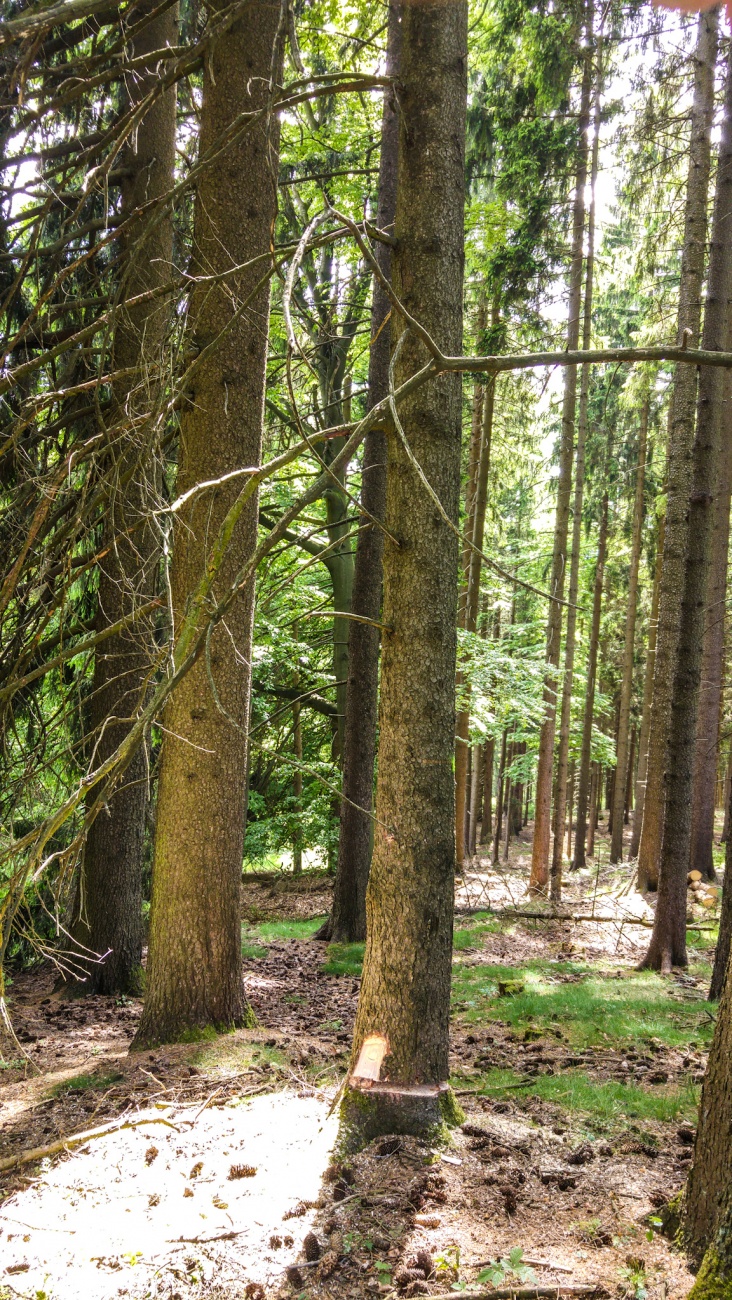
(594, 809)
(629, 779)
(709, 1178)
(476, 786)
(109, 919)
(347, 922)
(640, 783)
(499, 801)
(721, 955)
(714, 1280)
(560, 795)
(622, 765)
(710, 693)
(472, 599)
(404, 1005)
(194, 971)
(726, 798)
(486, 826)
(542, 815)
(297, 790)
(668, 940)
(589, 712)
(680, 451)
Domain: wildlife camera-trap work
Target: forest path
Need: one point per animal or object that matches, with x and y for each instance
(579, 1077)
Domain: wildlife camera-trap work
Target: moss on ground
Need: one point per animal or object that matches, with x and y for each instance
(596, 1009)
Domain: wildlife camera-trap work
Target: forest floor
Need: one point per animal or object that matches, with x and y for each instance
(579, 1077)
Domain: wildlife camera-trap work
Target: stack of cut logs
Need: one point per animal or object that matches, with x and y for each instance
(702, 892)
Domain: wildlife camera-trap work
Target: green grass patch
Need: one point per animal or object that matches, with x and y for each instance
(606, 1104)
(255, 938)
(471, 933)
(86, 1082)
(597, 1010)
(344, 959)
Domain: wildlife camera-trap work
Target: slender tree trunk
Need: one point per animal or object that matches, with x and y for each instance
(404, 1004)
(476, 787)
(710, 693)
(594, 811)
(629, 778)
(297, 790)
(109, 919)
(499, 801)
(668, 940)
(640, 783)
(486, 826)
(679, 451)
(560, 795)
(472, 600)
(542, 815)
(622, 766)
(347, 922)
(589, 711)
(194, 970)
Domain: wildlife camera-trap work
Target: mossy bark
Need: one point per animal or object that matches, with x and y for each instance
(405, 990)
(194, 970)
(714, 1280)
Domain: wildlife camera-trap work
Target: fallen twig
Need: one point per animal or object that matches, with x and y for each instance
(78, 1139)
(517, 915)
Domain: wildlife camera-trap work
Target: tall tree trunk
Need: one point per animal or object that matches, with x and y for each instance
(542, 815)
(626, 688)
(589, 711)
(404, 1005)
(194, 970)
(710, 693)
(726, 798)
(714, 1280)
(110, 894)
(680, 450)
(472, 599)
(476, 786)
(486, 825)
(499, 800)
(297, 789)
(668, 940)
(629, 779)
(560, 796)
(640, 782)
(347, 922)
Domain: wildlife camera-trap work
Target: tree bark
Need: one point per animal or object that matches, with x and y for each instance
(668, 940)
(476, 786)
(622, 765)
(714, 1280)
(347, 922)
(194, 970)
(560, 796)
(680, 450)
(724, 940)
(109, 906)
(486, 825)
(580, 852)
(542, 814)
(640, 782)
(708, 1182)
(476, 526)
(405, 989)
(710, 693)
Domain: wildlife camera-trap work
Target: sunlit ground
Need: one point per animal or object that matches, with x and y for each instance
(138, 1211)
